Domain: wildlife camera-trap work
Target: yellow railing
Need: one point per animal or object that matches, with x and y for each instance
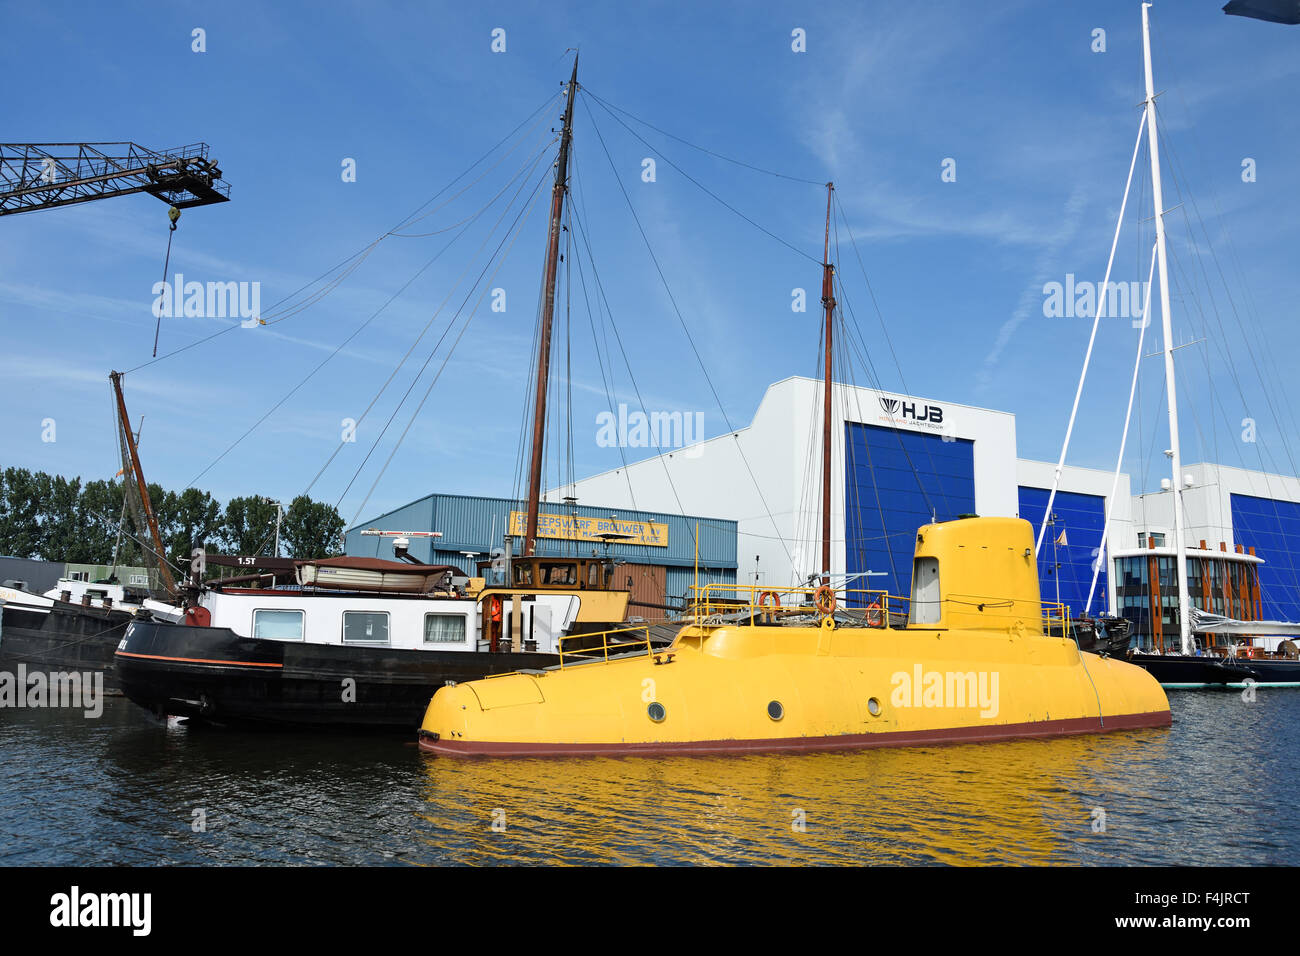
(762, 604)
(773, 603)
(597, 645)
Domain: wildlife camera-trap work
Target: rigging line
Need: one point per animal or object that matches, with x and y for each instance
(1103, 553)
(470, 185)
(696, 182)
(702, 149)
(523, 172)
(871, 470)
(595, 339)
(1092, 338)
(432, 352)
(365, 251)
(1236, 315)
(873, 378)
(681, 320)
(512, 236)
(600, 286)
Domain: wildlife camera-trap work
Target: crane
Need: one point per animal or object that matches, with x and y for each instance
(46, 175)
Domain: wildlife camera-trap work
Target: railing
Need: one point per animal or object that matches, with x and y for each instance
(597, 645)
(712, 603)
(729, 603)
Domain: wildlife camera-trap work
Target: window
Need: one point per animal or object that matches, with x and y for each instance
(79, 576)
(278, 625)
(444, 629)
(140, 580)
(365, 627)
(926, 603)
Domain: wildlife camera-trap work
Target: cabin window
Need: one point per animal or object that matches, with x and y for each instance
(563, 574)
(926, 602)
(593, 575)
(142, 580)
(278, 625)
(523, 574)
(365, 627)
(444, 629)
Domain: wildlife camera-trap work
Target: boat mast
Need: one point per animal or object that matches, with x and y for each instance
(137, 475)
(828, 303)
(1153, 148)
(548, 311)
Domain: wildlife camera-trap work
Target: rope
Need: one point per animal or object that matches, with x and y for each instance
(166, 265)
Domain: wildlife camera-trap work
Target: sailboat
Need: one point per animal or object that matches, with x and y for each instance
(1205, 654)
(967, 657)
(364, 642)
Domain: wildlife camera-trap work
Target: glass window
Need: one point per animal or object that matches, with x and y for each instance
(278, 625)
(444, 629)
(365, 627)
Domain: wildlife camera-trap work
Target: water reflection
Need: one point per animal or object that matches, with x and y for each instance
(1216, 788)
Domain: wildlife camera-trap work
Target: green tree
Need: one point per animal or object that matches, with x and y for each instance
(248, 525)
(186, 521)
(101, 510)
(62, 537)
(20, 512)
(311, 529)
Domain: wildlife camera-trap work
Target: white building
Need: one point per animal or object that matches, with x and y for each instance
(899, 461)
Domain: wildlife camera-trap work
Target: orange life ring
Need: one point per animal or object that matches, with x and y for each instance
(773, 604)
(874, 616)
(824, 599)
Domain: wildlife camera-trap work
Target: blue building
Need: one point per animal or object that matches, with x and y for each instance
(656, 551)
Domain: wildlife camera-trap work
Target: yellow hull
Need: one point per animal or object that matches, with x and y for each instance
(745, 688)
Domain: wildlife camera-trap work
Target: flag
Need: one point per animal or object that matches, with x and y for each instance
(1062, 540)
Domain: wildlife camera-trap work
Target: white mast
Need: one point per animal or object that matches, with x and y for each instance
(1180, 544)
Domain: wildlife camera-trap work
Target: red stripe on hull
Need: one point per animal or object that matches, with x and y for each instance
(899, 738)
(197, 660)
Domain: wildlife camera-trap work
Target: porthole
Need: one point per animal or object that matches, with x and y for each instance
(873, 707)
(656, 712)
(775, 710)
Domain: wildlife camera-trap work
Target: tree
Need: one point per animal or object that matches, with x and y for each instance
(312, 529)
(185, 522)
(248, 525)
(20, 513)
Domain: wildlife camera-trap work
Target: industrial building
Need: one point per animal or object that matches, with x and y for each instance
(899, 461)
(656, 553)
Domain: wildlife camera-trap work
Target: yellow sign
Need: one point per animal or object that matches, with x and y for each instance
(582, 528)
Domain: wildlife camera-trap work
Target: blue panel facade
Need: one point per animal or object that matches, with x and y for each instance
(895, 481)
(1272, 528)
(1081, 518)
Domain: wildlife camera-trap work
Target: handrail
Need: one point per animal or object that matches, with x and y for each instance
(588, 650)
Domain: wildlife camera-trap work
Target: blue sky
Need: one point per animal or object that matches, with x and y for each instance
(1041, 128)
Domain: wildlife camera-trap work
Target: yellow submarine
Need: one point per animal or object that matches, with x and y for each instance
(973, 655)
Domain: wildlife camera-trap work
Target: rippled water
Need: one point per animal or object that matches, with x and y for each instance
(1219, 787)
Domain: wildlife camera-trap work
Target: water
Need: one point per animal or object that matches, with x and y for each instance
(1219, 787)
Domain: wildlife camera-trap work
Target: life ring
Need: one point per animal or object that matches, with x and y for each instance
(875, 618)
(824, 599)
(773, 604)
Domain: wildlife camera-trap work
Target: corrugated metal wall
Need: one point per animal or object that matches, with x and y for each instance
(476, 524)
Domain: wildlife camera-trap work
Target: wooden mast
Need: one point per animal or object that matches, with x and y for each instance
(137, 475)
(828, 303)
(548, 311)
